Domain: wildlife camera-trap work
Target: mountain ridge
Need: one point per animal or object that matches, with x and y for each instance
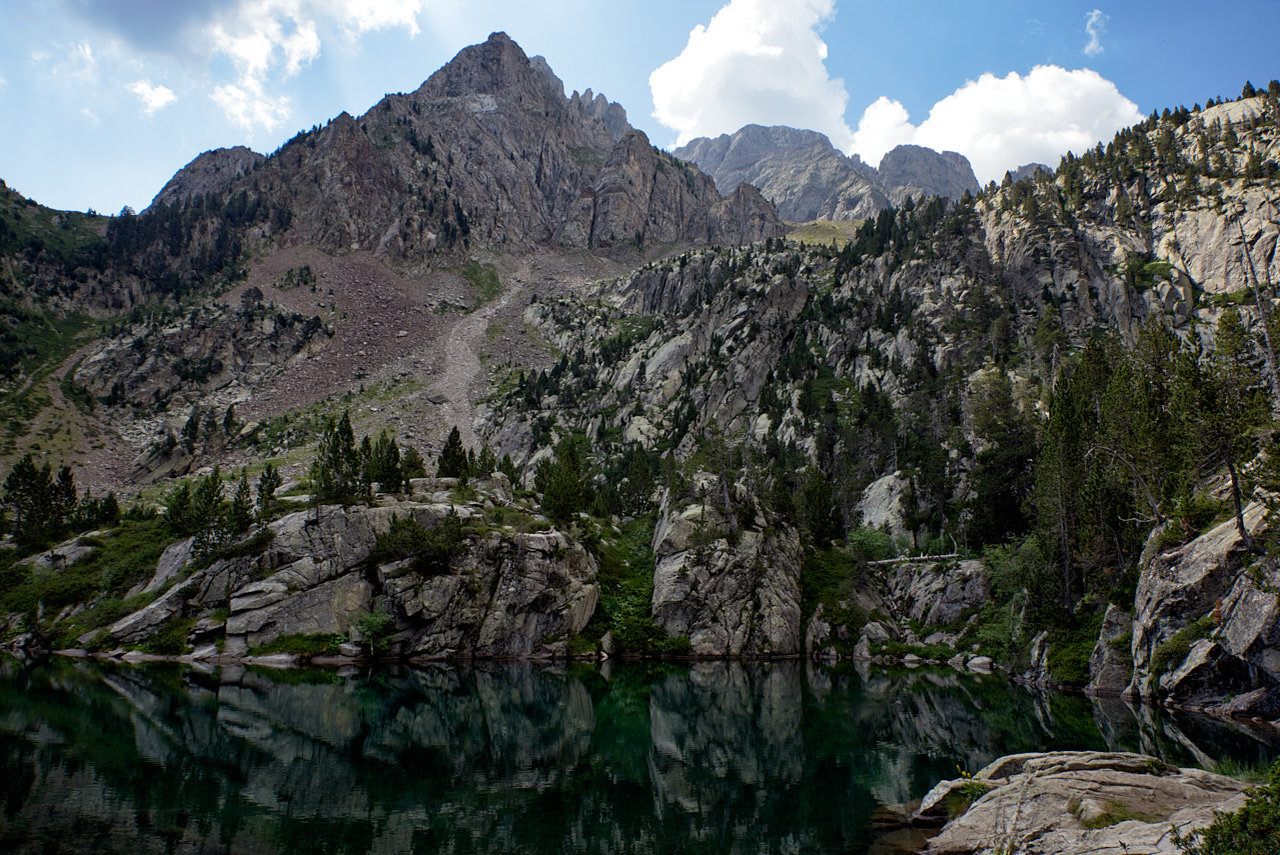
(807, 178)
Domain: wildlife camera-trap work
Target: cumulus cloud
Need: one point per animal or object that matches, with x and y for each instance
(1000, 123)
(91, 116)
(269, 41)
(757, 61)
(1095, 24)
(154, 98)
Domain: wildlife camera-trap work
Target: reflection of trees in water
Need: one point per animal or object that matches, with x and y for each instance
(516, 757)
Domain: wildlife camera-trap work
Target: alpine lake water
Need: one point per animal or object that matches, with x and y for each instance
(729, 757)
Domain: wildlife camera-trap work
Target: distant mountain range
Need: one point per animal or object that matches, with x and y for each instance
(807, 178)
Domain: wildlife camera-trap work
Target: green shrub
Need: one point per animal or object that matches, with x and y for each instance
(430, 548)
(1252, 830)
(962, 797)
(1171, 654)
(1070, 647)
(171, 638)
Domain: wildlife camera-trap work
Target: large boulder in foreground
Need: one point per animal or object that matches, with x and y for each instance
(1078, 802)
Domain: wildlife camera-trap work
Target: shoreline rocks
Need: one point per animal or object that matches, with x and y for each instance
(1073, 803)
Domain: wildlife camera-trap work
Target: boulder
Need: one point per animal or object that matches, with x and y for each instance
(882, 504)
(1179, 585)
(1072, 803)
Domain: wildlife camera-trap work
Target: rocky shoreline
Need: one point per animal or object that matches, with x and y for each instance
(1073, 803)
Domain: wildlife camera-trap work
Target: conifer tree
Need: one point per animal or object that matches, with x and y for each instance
(453, 458)
(268, 482)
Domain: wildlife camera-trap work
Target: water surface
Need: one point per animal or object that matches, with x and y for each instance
(511, 758)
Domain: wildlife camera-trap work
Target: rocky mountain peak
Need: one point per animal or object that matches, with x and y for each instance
(211, 172)
(498, 67)
(932, 173)
(808, 178)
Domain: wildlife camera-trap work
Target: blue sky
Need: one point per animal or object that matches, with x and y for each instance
(103, 100)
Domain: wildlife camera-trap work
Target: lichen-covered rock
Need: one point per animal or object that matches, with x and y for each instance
(729, 591)
(1072, 803)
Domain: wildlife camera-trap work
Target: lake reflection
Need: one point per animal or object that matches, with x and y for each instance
(519, 758)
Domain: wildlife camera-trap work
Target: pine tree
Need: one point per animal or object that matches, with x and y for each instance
(453, 458)
(336, 472)
(268, 482)
(240, 514)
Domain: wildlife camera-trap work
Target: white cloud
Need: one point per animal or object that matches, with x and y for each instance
(269, 41)
(757, 61)
(90, 115)
(154, 98)
(251, 107)
(1000, 123)
(884, 124)
(1095, 24)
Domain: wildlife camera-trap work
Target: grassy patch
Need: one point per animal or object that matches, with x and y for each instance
(37, 344)
(827, 232)
(1115, 813)
(484, 279)
(303, 644)
(126, 556)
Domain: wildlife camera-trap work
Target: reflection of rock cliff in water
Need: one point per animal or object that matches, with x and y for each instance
(514, 757)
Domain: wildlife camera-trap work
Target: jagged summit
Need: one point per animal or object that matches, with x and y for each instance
(497, 66)
(487, 152)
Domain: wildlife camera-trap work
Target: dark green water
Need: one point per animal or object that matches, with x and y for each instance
(782, 757)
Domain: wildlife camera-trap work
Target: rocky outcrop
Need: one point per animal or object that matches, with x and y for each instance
(806, 178)
(729, 582)
(1072, 803)
(938, 594)
(212, 356)
(1187, 584)
(1111, 662)
(506, 591)
(487, 152)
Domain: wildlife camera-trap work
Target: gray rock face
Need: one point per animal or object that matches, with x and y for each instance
(806, 178)
(1186, 583)
(1045, 803)
(1110, 663)
(919, 171)
(729, 594)
(939, 594)
(489, 151)
(508, 592)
